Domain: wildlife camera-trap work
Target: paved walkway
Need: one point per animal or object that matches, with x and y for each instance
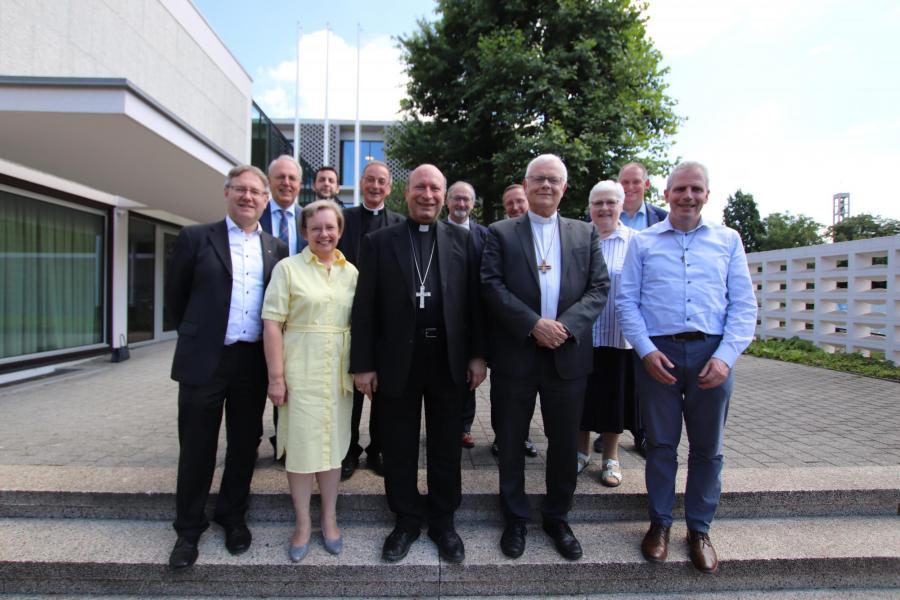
(782, 415)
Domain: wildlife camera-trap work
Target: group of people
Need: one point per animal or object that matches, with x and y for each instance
(318, 308)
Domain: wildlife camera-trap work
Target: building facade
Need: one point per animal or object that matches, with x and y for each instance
(118, 122)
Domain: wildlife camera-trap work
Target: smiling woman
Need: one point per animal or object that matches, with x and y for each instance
(306, 332)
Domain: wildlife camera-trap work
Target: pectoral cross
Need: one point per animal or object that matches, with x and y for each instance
(544, 267)
(421, 294)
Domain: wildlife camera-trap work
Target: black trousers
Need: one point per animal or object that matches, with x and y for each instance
(238, 388)
(374, 446)
(468, 412)
(401, 416)
(512, 405)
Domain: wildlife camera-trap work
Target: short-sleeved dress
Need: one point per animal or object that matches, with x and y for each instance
(314, 305)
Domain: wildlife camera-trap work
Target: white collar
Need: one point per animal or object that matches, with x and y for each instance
(374, 211)
(539, 220)
(232, 226)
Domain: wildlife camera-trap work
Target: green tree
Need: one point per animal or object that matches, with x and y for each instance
(493, 83)
(863, 226)
(742, 215)
(784, 230)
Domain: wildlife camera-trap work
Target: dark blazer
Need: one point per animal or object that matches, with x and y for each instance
(351, 239)
(384, 308)
(199, 296)
(478, 232)
(265, 222)
(512, 296)
(655, 214)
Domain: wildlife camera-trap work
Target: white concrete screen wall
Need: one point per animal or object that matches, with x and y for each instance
(843, 296)
(164, 47)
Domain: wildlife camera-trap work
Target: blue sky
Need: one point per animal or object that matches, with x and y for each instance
(790, 100)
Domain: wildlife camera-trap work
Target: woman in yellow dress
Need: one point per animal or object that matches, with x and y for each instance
(306, 333)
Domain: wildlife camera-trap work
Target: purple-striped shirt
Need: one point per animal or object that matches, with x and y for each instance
(606, 328)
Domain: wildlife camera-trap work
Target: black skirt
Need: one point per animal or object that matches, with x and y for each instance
(609, 404)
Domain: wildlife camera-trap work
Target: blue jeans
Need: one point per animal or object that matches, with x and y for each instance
(704, 412)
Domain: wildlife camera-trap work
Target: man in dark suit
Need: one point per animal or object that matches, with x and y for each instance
(370, 216)
(416, 327)
(460, 202)
(326, 183)
(544, 282)
(217, 278)
(281, 218)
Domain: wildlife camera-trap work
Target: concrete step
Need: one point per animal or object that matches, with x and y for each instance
(792, 594)
(84, 556)
(148, 493)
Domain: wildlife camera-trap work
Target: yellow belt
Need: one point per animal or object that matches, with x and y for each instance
(346, 378)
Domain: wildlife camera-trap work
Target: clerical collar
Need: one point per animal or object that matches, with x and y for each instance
(374, 211)
(420, 227)
(538, 219)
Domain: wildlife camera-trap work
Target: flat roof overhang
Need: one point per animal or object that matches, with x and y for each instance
(109, 135)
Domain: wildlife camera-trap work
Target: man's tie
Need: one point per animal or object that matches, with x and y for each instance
(283, 234)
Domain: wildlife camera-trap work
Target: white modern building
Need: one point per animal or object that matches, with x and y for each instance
(118, 122)
(340, 152)
(843, 296)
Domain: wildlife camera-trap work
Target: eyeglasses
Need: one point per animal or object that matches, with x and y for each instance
(604, 203)
(540, 179)
(241, 190)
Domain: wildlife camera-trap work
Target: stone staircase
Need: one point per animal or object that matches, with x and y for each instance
(88, 531)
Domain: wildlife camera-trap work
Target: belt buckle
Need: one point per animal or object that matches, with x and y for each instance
(430, 333)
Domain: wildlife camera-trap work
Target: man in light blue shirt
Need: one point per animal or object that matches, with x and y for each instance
(636, 213)
(686, 304)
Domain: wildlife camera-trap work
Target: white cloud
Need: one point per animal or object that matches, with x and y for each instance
(382, 80)
(683, 27)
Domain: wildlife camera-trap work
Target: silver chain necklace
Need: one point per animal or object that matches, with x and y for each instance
(421, 294)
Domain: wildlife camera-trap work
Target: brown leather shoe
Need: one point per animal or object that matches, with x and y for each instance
(703, 555)
(655, 546)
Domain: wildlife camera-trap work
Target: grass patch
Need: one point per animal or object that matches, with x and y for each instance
(804, 352)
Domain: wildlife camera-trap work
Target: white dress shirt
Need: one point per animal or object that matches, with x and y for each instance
(292, 216)
(545, 235)
(244, 322)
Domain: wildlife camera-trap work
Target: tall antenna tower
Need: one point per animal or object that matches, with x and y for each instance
(840, 207)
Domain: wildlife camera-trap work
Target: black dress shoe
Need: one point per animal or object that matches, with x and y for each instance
(598, 444)
(530, 449)
(565, 541)
(512, 542)
(237, 538)
(397, 544)
(376, 463)
(348, 466)
(184, 554)
(450, 545)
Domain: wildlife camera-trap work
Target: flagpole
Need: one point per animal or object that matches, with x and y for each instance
(358, 179)
(297, 97)
(327, 132)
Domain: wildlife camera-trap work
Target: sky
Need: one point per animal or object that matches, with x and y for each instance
(789, 100)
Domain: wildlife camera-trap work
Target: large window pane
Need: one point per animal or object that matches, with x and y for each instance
(369, 150)
(141, 278)
(51, 276)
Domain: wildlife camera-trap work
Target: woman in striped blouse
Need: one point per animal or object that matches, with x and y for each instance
(609, 401)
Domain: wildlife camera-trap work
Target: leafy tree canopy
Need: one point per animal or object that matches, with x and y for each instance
(784, 230)
(495, 83)
(742, 215)
(863, 226)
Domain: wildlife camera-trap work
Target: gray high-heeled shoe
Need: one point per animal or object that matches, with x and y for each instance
(298, 552)
(333, 546)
